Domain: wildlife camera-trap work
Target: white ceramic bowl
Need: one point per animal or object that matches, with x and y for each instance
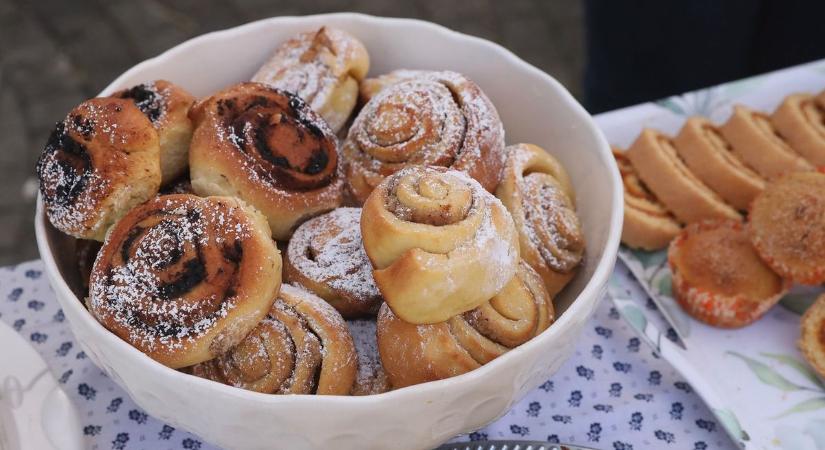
(534, 108)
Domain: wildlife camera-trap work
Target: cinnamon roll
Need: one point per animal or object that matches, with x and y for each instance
(759, 144)
(302, 346)
(801, 121)
(269, 148)
(413, 354)
(647, 223)
(710, 157)
(812, 335)
(323, 67)
(440, 244)
(326, 256)
(166, 105)
(427, 118)
(656, 161)
(183, 278)
(537, 191)
(99, 162)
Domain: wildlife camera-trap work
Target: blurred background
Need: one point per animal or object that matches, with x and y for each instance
(55, 54)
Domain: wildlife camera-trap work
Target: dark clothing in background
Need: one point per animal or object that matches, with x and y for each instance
(648, 49)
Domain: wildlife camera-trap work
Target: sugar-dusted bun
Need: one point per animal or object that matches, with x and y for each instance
(269, 148)
(102, 160)
(812, 335)
(537, 191)
(647, 223)
(718, 278)
(323, 67)
(425, 118)
(166, 105)
(413, 354)
(440, 244)
(184, 278)
(710, 157)
(759, 144)
(657, 163)
(801, 121)
(302, 346)
(326, 256)
(787, 226)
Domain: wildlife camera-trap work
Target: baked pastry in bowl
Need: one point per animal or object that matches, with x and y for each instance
(533, 107)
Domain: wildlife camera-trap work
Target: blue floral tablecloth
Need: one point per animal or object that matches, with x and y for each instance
(614, 393)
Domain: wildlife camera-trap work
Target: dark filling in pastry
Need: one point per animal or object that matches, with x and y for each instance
(146, 98)
(64, 166)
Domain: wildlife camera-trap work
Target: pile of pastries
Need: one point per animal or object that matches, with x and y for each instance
(392, 200)
(751, 197)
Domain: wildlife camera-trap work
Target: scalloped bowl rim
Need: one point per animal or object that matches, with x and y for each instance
(593, 288)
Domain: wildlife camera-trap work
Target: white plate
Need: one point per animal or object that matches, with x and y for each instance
(534, 108)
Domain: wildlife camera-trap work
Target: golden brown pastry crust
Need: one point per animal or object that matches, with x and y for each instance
(269, 148)
(759, 145)
(413, 354)
(326, 256)
(183, 278)
(323, 67)
(537, 192)
(425, 118)
(801, 121)
(302, 346)
(99, 162)
(647, 223)
(787, 226)
(812, 335)
(709, 156)
(166, 105)
(657, 163)
(440, 244)
(718, 277)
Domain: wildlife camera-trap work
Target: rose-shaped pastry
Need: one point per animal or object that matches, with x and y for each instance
(269, 148)
(183, 278)
(440, 244)
(425, 118)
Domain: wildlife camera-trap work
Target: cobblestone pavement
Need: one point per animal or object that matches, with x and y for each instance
(54, 54)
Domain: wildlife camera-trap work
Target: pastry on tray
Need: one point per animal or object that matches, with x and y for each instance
(269, 148)
(166, 105)
(648, 225)
(537, 191)
(425, 118)
(102, 160)
(657, 163)
(184, 279)
(413, 354)
(801, 121)
(709, 156)
(302, 346)
(326, 256)
(755, 140)
(323, 67)
(787, 226)
(812, 335)
(718, 277)
(440, 244)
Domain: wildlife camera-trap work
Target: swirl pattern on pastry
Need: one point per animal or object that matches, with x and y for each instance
(302, 346)
(183, 278)
(269, 148)
(647, 223)
(98, 163)
(166, 105)
(326, 256)
(801, 120)
(413, 354)
(426, 118)
(440, 244)
(323, 67)
(537, 191)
